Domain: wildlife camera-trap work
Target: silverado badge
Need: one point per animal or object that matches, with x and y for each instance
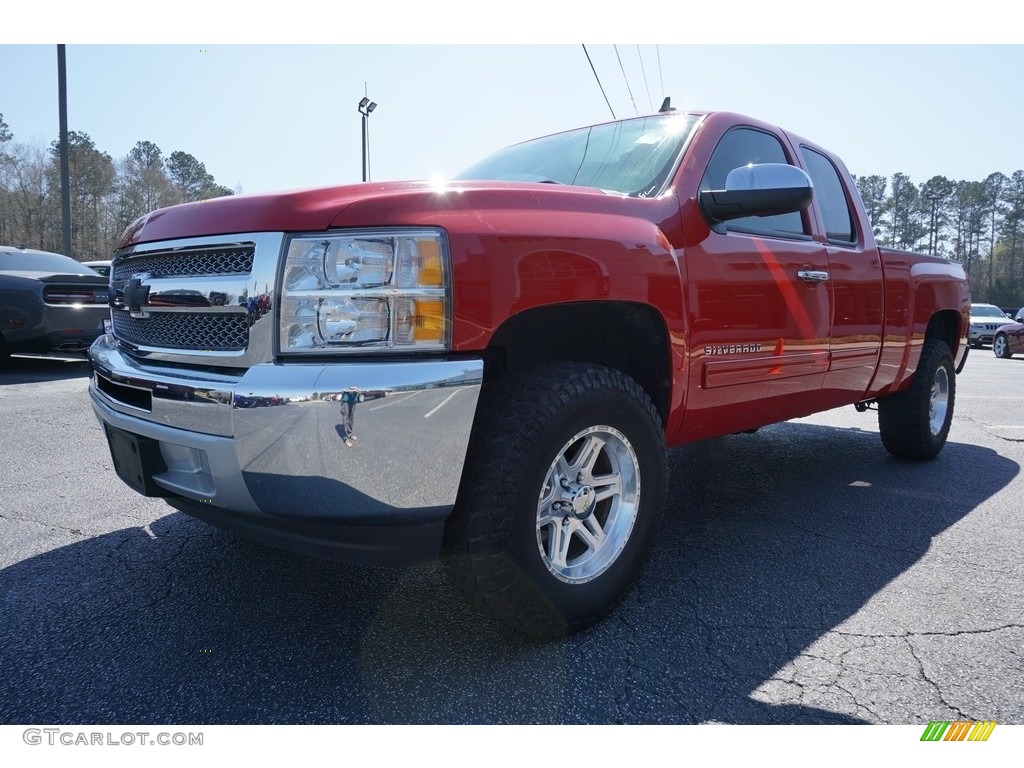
(730, 349)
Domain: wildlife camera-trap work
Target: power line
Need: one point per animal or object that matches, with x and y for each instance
(660, 78)
(650, 103)
(599, 84)
(616, 47)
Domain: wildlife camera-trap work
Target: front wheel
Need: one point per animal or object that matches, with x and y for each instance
(561, 498)
(914, 423)
(1001, 346)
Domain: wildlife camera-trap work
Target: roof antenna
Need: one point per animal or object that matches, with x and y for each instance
(666, 105)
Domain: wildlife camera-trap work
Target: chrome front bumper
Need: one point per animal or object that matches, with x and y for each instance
(272, 445)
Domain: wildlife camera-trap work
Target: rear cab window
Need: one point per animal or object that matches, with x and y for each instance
(830, 194)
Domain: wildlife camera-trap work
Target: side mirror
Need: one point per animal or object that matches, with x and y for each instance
(758, 190)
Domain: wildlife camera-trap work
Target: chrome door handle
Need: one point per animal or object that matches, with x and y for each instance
(812, 275)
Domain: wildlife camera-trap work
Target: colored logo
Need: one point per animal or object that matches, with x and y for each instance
(960, 730)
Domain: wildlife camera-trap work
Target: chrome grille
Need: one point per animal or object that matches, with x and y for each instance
(211, 332)
(204, 301)
(233, 260)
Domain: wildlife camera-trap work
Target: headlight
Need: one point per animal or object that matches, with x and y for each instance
(371, 290)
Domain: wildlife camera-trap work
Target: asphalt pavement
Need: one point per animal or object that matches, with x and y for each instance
(802, 576)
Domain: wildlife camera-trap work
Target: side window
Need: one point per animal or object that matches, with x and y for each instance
(831, 197)
(744, 146)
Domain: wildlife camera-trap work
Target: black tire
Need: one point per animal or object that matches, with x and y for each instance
(544, 557)
(1001, 346)
(914, 423)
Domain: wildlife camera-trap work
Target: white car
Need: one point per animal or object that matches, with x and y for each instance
(985, 319)
(103, 267)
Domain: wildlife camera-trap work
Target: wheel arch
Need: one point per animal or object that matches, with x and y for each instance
(630, 337)
(946, 325)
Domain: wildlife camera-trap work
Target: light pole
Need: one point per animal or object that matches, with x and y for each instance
(365, 108)
(65, 175)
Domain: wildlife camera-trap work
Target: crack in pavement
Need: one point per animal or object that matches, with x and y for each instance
(806, 682)
(50, 526)
(932, 683)
(989, 429)
(908, 635)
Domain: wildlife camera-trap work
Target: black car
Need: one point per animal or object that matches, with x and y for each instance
(48, 303)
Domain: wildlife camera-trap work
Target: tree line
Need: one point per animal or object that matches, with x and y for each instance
(106, 194)
(978, 223)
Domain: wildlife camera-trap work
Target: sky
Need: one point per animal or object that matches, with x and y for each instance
(264, 116)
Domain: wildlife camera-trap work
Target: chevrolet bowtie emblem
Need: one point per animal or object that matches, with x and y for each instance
(135, 296)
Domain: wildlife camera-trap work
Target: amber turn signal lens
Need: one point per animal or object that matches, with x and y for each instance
(431, 273)
(428, 322)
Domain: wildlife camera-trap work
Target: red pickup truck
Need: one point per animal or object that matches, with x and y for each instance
(492, 368)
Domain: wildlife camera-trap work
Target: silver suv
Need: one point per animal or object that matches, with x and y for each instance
(985, 319)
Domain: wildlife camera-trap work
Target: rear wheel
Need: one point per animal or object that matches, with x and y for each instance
(1001, 346)
(914, 423)
(561, 498)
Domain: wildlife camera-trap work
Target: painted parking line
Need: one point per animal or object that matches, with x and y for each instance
(397, 399)
(987, 397)
(432, 411)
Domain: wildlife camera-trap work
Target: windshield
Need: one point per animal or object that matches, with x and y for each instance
(632, 157)
(987, 310)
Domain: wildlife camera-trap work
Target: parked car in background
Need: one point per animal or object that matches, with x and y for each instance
(1009, 339)
(48, 303)
(103, 267)
(985, 320)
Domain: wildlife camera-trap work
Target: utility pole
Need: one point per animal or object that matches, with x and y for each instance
(65, 174)
(933, 235)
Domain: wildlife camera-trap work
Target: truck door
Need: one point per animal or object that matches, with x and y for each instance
(758, 305)
(856, 281)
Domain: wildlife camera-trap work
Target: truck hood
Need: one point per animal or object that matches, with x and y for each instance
(375, 204)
